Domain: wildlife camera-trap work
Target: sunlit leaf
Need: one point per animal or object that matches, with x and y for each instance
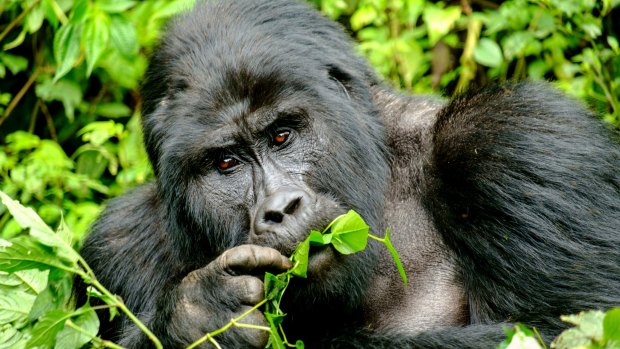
(488, 53)
(611, 326)
(45, 330)
(95, 37)
(66, 48)
(88, 322)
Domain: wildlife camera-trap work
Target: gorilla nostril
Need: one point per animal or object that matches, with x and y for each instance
(273, 217)
(292, 206)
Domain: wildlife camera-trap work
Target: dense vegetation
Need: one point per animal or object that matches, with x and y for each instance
(70, 70)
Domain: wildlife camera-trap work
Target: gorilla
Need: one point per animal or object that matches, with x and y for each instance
(261, 123)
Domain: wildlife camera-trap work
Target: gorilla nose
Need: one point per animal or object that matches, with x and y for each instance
(279, 207)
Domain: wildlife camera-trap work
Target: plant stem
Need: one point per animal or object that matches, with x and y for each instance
(233, 322)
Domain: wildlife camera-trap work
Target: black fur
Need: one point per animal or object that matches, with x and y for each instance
(504, 203)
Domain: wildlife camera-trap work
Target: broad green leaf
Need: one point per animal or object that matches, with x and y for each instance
(24, 253)
(11, 338)
(363, 16)
(28, 219)
(611, 326)
(66, 48)
(45, 330)
(488, 53)
(33, 279)
(113, 110)
(588, 330)
(15, 64)
(15, 305)
(318, 239)
(115, 6)
(34, 19)
(350, 233)
(300, 259)
(439, 21)
(95, 38)
(275, 285)
(88, 322)
(65, 90)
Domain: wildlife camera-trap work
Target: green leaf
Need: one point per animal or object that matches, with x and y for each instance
(123, 36)
(115, 6)
(11, 338)
(350, 233)
(395, 256)
(275, 340)
(66, 91)
(95, 39)
(34, 19)
(23, 253)
(15, 64)
(112, 110)
(15, 305)
(488, 53)
(611, 325)
(88, 322)
(66, 48)
(318, 239)
(45, 330)
(363, 16)
(28, 219)
(300, 259)
(439, 21)
(275, 285)
(588, 330)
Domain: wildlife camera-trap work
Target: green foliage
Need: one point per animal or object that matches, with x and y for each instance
(424, 45)
(69, 108)
(592, 329)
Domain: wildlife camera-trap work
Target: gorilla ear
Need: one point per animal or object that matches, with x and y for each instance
(341, 77)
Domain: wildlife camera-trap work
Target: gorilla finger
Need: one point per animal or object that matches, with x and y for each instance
(247, 289)
(248, 258)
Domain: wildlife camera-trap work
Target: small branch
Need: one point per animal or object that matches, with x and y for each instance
(17, 19)
(19, 96)
(49, 120)
(233, 322)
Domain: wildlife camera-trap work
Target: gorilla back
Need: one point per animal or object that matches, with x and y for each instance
(261, 123)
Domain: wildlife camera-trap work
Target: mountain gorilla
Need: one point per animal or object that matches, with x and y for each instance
(261, 123)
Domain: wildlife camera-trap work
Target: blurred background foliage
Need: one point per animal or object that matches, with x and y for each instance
(70, 70)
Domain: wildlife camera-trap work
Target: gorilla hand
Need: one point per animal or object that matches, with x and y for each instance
(226, 288)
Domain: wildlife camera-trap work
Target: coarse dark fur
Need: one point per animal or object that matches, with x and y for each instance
(504, 203)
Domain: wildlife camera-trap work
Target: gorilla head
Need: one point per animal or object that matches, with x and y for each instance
(261, 132)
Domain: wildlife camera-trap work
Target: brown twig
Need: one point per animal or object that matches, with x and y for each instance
(19, 96)
(49, 120)
(17, 19)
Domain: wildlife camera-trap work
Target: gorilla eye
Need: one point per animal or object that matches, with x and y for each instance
(226, 163)
(281, 137)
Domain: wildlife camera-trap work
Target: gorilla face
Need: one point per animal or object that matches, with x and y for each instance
(261, 155)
